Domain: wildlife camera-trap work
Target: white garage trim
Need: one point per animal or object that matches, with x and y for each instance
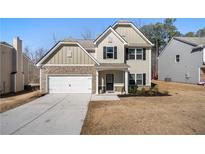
(86, 83)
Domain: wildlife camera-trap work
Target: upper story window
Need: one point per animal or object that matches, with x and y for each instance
(139, 54)
(109, 52)
(136, 54)
(177, 59)
(131, 54)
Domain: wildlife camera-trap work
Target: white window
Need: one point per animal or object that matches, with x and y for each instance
(110, 53)
(135, 54)
(136, 79)
(139, 79)
(131, 54)
(177, 59)
(139, 54)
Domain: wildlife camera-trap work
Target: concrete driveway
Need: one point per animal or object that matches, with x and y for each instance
(51, 114)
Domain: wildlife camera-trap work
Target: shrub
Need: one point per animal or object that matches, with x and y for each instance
(150, 92)
(143, 91)
(155, 90)
(166, 92)
(133, 89)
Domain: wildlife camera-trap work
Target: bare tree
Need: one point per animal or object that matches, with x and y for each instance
(36, 55)
(86, 34)
(39, 53)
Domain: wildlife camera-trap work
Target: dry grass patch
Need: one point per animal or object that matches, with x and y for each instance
(181, 113)
(11, 101)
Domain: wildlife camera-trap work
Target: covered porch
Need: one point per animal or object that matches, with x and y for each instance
(112, 78)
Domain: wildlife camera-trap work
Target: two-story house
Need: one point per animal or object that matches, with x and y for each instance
(16, 69)
(120, 57)
(183, 60)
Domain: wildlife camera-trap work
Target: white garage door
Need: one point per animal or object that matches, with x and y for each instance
(70, 84)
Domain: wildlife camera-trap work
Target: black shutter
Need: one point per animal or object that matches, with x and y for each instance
(144, 78)
(104, 52)
(115, 52)
(144, 54)
(126, 54)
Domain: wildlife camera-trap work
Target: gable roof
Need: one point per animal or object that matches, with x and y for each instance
(6, 44)
(39, 63)
(106, 31)
(194, 41)
(87, 44)
(124, 22)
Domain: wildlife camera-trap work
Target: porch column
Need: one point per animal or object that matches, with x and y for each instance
(97, 78)
(126, 82)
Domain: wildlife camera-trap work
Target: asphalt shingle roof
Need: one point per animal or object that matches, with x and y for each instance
(7, 44)
(87, 44)
(195, 41)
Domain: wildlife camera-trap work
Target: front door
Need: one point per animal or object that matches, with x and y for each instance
(109, 82)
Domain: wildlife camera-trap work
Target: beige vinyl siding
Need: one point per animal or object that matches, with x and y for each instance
(131, 36)
(141, 66)
(26, 70)
(69, 54)
(6, 55)
(115, 42)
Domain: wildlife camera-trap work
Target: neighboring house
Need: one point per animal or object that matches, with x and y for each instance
(183, 60)
(16, 70)
(118, 58)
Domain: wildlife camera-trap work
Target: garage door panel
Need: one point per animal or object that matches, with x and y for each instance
(70, 84)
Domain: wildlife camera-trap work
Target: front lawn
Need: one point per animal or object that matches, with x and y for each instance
(181, 113)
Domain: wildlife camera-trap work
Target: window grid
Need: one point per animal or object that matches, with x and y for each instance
(138, 79)
(138, 54)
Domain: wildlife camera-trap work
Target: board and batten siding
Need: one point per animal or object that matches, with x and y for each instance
(69, 54)
(130, 35)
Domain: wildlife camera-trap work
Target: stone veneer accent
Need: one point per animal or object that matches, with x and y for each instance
(59, 70)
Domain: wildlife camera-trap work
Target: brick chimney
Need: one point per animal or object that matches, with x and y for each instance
(17, 44)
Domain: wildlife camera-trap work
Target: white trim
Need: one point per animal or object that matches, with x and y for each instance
(69, 65)
(40, 80)
(14, 82)
(6, 45)
(63, 43)
(150, 68)
(48, 75)
(113, 58)
(136, 29)
(112, 30)
(126, 82)
(136, 54)
(97, 81)
(203, 55)
(88, 54)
